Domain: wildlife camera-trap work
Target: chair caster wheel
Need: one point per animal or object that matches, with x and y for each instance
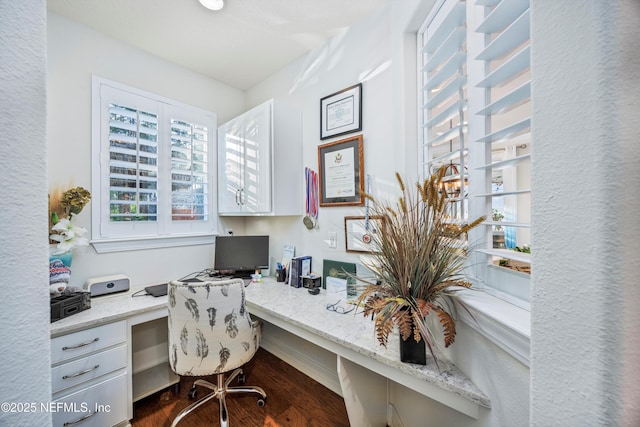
(242, 378)
(262, 402)
(193, 392)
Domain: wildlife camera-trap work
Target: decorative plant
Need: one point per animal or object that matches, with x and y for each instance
(419, 263)
(63, 207)
(497, 216)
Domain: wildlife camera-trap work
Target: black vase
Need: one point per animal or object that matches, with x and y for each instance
(412, 351)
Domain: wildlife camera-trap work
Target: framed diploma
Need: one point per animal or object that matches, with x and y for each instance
(341, 166)
(341, 112)
(361, 232)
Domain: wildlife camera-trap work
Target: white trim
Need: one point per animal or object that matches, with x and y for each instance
(503, 323)
(151, 242)
(126, 236)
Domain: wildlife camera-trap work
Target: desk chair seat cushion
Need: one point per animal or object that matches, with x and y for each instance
(210, 329)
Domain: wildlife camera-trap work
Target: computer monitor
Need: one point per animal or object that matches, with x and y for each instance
(241, 255)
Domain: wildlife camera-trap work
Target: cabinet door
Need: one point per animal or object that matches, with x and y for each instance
(256, 192)
(230, 166)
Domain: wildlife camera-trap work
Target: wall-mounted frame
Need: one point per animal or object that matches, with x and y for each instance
(360, 231)
(341, 166)
(341, 112)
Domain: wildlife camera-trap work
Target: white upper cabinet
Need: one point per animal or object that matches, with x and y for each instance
(260, 162)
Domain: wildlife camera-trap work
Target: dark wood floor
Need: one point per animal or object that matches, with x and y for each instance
(293, 400)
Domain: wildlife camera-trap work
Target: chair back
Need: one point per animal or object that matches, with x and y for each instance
(210, 330)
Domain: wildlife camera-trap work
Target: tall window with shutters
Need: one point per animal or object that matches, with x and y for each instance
(475, 114)
(153, 175)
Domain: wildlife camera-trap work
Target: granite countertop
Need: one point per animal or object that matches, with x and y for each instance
(107, 309)
(353, 331)
(298, 309)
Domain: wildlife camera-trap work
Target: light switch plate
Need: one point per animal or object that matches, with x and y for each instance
(333, 239)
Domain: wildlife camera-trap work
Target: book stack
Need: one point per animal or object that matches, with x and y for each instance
(300, 266)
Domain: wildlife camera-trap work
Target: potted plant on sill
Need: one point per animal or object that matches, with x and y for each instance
(419, 265)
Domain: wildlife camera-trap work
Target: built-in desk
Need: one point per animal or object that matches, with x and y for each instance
(351, 337)
(145, 348)
(363, 366)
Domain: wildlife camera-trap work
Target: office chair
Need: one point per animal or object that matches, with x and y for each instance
(211, 332)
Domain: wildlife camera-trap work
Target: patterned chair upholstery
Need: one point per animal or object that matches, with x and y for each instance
(211, 332)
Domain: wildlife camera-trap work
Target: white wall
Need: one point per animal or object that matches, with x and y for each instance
(24, 317)
(380, 53)
(75, 52)
(371, 52)
(585, 348)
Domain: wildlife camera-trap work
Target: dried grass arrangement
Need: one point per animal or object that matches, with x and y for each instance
(419, 263)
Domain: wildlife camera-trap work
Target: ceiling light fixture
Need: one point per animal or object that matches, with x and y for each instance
(212, 4)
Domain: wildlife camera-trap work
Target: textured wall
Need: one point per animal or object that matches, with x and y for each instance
(586, 199)
(24, 317)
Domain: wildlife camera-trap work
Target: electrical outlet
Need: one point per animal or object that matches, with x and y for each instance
(333, 239)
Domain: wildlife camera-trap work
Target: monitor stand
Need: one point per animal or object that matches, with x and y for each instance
(243, 274)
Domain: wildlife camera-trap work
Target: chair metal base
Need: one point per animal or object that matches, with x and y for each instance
(220, 390)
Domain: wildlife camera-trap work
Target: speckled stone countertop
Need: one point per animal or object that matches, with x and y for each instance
(297, 310)
(352, 331)
(107, 309)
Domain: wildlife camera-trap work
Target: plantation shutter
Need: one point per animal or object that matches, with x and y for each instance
(155, 161)
(444, 101)
(189, 171)
(133, 164)
(507, 115)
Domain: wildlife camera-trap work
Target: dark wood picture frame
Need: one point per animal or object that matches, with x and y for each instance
(335, 160)
(341, 112)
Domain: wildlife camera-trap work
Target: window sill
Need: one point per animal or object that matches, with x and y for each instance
(503, 323)
(134, 244)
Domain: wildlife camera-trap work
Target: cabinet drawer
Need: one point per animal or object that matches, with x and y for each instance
(101, 405)
(90, 367)
(86, 341)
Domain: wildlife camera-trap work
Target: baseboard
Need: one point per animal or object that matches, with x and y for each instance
(304, 362)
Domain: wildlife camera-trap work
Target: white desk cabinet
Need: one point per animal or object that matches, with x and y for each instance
(260, 162)
(89, 376)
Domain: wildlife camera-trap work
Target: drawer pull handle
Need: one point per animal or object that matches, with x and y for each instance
(79, 420)
(80, 345)
(65, 377)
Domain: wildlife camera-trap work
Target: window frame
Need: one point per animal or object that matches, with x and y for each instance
(165, 232)
(500, 311)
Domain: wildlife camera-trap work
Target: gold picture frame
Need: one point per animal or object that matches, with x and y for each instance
(341, 170)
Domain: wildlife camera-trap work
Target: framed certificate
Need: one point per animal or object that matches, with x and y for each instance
(360, 232)
(341, 168)
(341, 112)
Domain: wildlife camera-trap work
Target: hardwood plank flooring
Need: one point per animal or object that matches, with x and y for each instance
(293, 400)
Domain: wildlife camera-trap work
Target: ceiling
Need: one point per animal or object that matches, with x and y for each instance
(240, 45)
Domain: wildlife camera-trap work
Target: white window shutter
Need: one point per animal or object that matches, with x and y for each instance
(444, 101)
(154, 165)
(507, 113)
